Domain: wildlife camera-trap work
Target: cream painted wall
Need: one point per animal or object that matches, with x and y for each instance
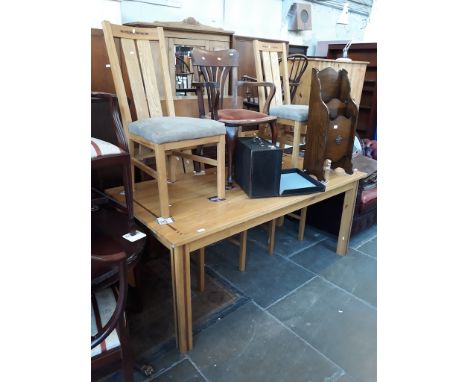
(256, 18)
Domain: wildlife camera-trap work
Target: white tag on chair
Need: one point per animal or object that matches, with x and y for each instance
(165, 220)
(138, 235)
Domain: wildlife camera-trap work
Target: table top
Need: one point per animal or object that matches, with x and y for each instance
(196, 217)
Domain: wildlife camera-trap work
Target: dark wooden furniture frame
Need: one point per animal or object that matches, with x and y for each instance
(214, 69)
(332, 122)
(117, 320)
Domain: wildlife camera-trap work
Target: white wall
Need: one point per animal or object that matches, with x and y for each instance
(256, 18)
(105, 10)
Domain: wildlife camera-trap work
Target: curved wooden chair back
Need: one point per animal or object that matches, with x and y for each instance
(268, 68)
(215, 67)
(297, 64)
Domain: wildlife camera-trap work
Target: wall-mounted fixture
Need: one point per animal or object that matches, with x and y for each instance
(300, 17)
(344, 17)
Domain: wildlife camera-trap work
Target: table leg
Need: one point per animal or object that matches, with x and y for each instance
(182, 299)
(346, 220)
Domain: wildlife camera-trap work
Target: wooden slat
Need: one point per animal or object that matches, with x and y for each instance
(165, 72)
(117, 75)
(192, 142)
(276, 79)
(259, 73)
(196, 158)
(149, 78)
(145, 168)
(127, 32)
(285, 73)
(134, 75)
(267, 72)
(270, 46)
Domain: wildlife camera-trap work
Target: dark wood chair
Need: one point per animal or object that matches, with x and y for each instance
(297, 64)
(214, 68)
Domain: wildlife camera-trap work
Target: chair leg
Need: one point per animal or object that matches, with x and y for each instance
(162, 180)
(131, 149)
(231, 139)
(127, 359)
(302, 221)
(172, 168)
(271, 236)
(274, 132)
(242, 250)
(221, 167)
(296, 143)
(201, 269)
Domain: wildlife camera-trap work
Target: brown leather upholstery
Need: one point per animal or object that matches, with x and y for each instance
(243, 116)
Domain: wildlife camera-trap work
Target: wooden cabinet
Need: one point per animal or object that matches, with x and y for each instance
(367, 121)
(356, 73)
(182, 37)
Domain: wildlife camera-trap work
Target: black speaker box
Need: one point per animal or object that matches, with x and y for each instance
(258, 167)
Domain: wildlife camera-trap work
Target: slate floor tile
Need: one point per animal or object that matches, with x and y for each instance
(369, 247)
(266, 278)
(355, 272)
(182, 372)
(250, 345)
(336, 324)
(286, 241)
(363, 236)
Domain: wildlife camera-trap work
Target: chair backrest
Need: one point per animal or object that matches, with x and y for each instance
(144, 63)
(215, 67)
(269, 69)
(297, 64)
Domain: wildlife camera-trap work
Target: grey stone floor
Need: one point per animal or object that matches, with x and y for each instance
(310, 315)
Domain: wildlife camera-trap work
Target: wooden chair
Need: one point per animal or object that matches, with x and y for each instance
(112, 258)
(297, 64)
(215, 67)
(268, 68)
(144, 62)
(109, 336)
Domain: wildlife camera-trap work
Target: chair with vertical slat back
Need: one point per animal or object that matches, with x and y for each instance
(144, 63)
(268, 68)
(297, 64)
(215, 67)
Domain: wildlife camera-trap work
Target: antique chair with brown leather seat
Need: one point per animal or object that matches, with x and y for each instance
(214, 67)
(150, 132)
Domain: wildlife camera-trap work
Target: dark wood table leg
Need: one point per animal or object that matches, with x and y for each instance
(274, 132)
(231, 139)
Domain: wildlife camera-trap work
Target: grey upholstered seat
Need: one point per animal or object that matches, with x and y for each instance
(173, 129)
(298, 113)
